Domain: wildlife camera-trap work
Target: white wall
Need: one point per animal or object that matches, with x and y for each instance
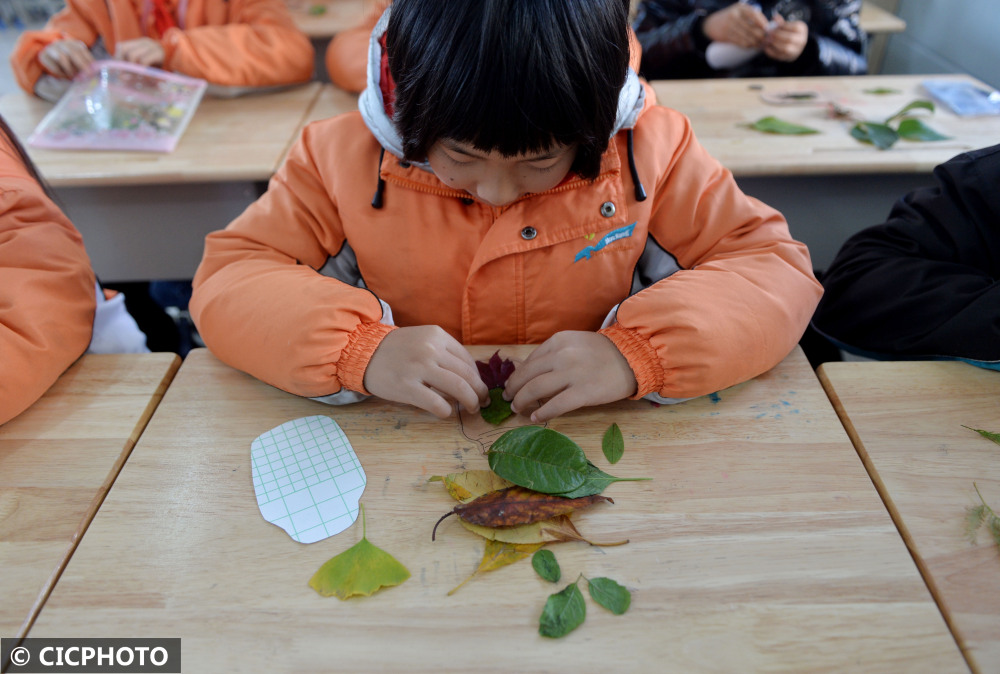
(947, 36)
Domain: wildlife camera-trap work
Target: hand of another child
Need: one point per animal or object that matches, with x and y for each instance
(65, 58)
(569, 370)
(144, 51)
(787, 40)
(738, 24)
(425, 367)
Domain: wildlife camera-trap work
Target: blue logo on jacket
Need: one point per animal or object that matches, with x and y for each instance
(610, 237)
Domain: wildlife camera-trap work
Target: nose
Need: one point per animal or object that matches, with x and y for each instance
(497, 191)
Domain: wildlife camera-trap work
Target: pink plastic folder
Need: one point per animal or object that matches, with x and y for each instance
(115, 105)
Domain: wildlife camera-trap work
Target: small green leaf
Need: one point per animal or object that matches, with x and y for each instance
(613, 444)
(564, 612)
(538, 458)
(974, 518)
(498, 409)
(913, 105)
(317, 10)
(609, 594)
(597, 481)
(544, 562)
(881, 136)
(882, 91)
(995, 437)
(780, 126)
(915, 129)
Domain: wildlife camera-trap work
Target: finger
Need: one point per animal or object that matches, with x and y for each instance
(466, 368)
(51, 63)
(532, 368)
(536, 390)
(565, 402)
(430, 401)
(453, 386)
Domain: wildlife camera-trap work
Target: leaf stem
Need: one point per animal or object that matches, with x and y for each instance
(364, 522)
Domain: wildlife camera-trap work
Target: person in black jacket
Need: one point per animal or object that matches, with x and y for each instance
(926, 283)
(769, 38)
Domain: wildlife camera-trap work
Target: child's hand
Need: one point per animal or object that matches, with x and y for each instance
(425, 367)
(65, 58)
(787, 40)
(144, 51)
(739, 24)
(571, 369)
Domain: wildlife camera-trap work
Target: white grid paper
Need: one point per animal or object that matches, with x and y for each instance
(307, 478)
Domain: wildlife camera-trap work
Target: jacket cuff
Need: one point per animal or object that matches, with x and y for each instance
(641, 357)
(361, 344)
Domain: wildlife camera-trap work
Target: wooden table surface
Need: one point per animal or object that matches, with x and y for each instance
(760, 544)
(720, 109)
(874, 19)
(57, 461)
(228, 139)
(906, 420)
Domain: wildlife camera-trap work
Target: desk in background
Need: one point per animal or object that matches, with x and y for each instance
(828, 185)
(760, 544)
(879, 23)
(144, 215)
(58, 459)
(906, 420)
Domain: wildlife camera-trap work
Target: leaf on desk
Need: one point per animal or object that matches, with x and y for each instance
(539, 458)
(613, 444)
(545, 565)
(919, 104)
(882, 91)
(995, 437)
(774, 125)
(471, 484)
(609, 594)
(881, 136)
(514, 506)
(498, 554)
(564, 611)
(362, 569)
(498, 410)
(494, 374)
(983, 514)
(915, 129)
(597, 481)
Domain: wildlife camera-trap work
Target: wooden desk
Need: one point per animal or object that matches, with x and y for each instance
(828, 185)
(906, 421)
(326, 18)
(874, 19)
(761, 544)
(57, 461)
(144, 215)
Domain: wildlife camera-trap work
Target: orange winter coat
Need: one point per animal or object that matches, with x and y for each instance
(231, 43)
(699, 286)
(47, 294)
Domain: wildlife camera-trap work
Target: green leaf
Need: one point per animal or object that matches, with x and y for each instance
(544, 562)
(913, 105)
(974, 518)
(498, 409)
(597, 481)
(362, 569)
(613, 444)
(995, 437)
(775, 125)
(609, 594)
(538, 458)
(564, 612)
(915, 129)
(881, 91)
(881, 136)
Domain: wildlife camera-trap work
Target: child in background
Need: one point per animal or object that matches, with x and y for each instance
(505, 181)
(48, 293)
(924, 284)
(238, 46)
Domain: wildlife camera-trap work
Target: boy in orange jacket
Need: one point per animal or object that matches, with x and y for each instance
(238, 46)
(505, 180)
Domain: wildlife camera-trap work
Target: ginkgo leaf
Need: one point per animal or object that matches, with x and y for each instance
(564, 611)
(545, 565)
(538, 458)
(515, 505)
(362, 569)
(613, 444)
(609, 594)
(497, 555)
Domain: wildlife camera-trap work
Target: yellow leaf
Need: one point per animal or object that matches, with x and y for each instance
(496, 555)
(471, 484)
(362, 569)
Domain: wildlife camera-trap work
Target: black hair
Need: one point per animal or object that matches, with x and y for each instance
(511, 76)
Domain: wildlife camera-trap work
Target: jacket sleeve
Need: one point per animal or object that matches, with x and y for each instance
(259, 301)
(77, 19)
(347, 54)
(926, 282)
(744, 290)
(260, 47)
(672, 44)
(837, 45)
(47, 293)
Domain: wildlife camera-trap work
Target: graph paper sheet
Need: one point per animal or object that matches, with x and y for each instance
(307, 478)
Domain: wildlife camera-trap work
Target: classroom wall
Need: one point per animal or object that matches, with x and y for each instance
(945, 36)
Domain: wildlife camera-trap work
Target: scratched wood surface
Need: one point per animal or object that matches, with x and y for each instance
(759, 545)
(906, 419)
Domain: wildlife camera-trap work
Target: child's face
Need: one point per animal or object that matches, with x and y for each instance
(496, 179)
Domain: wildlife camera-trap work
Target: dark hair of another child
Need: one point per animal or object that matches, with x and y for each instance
(508, 76)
